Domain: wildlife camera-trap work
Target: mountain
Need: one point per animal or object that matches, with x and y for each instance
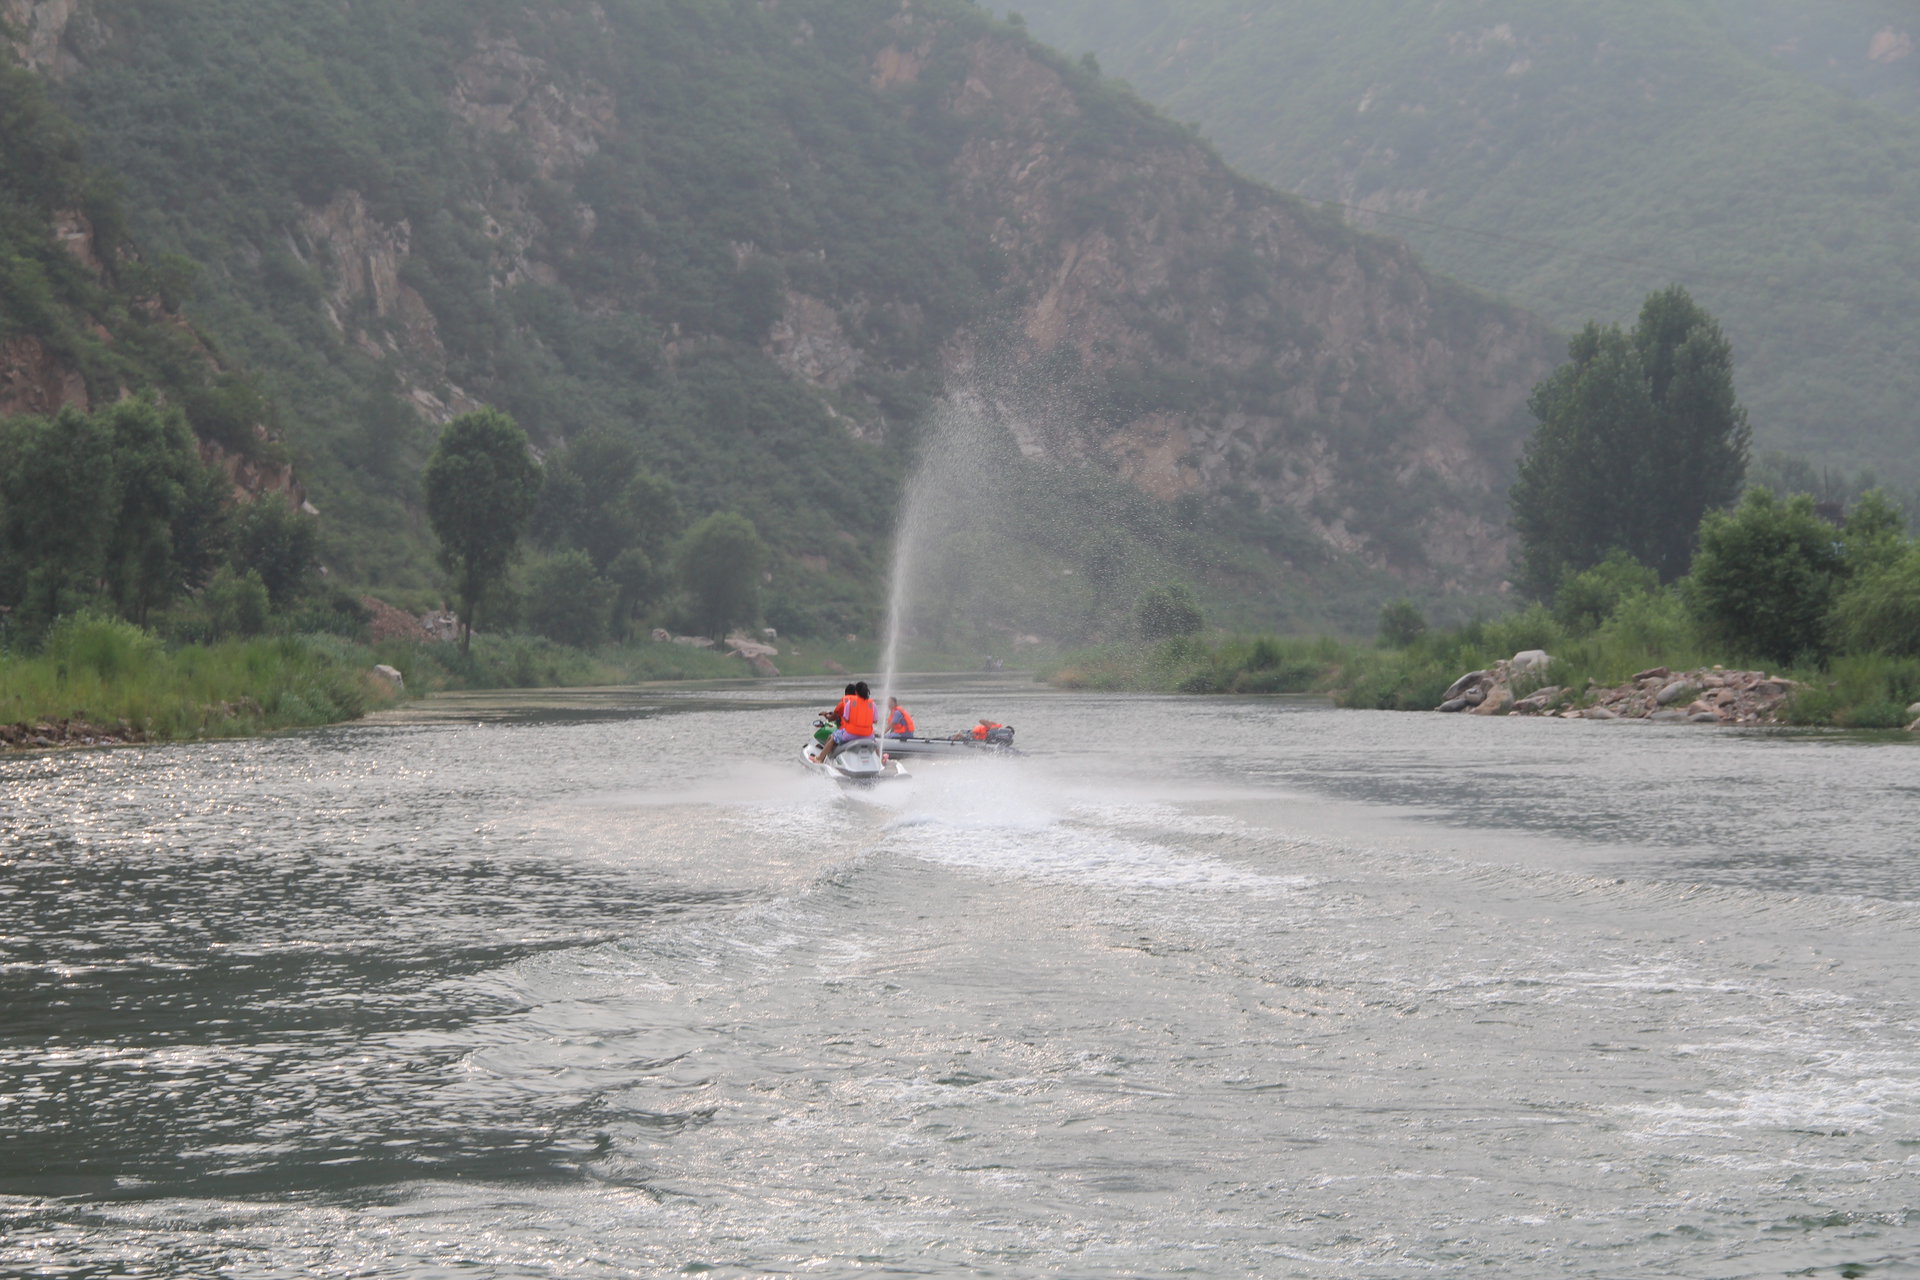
(1574, 158)
(755, 244)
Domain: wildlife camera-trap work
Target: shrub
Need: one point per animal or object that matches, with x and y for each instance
(1764, 577)
(1588, 598)
(1166, 612)
(107, 647)
(1401, 623)
(1880, 611)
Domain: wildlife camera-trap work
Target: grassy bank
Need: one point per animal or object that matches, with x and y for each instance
(98, 680)
(1868, 691)
(103, 679)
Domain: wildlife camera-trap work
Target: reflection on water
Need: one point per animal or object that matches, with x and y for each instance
(600, 984)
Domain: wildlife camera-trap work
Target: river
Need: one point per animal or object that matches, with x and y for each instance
(603, 984)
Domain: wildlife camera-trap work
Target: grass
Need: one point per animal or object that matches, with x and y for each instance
(99, 677)
(1648, 630)
(118, 677)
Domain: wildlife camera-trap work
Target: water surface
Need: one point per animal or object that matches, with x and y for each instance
(603, 984)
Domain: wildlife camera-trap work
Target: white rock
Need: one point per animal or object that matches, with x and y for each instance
(1531, 660)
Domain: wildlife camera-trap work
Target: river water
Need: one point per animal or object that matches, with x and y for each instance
(604, 984)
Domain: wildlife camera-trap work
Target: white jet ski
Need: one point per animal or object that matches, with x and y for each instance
(859, 762)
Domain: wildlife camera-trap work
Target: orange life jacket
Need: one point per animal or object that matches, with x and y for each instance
(899, 722)
(856, 716)
(980, 730)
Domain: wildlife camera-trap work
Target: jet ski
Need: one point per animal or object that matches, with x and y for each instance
(859, 762)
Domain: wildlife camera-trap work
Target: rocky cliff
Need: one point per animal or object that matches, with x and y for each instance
(1028, 223)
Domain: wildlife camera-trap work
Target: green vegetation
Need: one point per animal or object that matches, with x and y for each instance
(119, 678)
(720, 563)
(1639, 435)
(481, 486)
(1576, 157)
(114, 510)
(628, 300)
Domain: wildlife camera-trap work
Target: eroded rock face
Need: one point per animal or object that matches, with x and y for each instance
(41, 28)
(33, 380)
(1341, 332)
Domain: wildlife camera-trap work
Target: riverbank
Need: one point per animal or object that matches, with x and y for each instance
(1609, 674)
(104, 682)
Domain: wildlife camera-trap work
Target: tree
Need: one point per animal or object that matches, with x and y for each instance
(1764, 577)
(481, 485)
(168, 527)
(1166, 612)
(278, 544)
(56, 500)
(567, 601)
(1640, 434)
(720, 562)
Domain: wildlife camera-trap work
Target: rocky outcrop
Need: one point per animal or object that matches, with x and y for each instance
(41, 33)
(1707, 695)
(1317, 369)
(34, 380)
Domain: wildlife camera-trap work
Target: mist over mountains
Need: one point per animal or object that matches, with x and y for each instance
(1574, 158)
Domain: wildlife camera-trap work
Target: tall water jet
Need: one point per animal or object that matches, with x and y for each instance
(1002, 529)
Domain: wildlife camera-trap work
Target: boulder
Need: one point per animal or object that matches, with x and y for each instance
(391, 675)
(1454, 704)
(1531, 662)
(1913, 712)
(1540, 699)
(1668, 717)
(442, 625)
(1465, 682)
(1601, 713)
(1675, 691)
(1496, 701)
(750, 649)
(1652, 673)
(1704, 717)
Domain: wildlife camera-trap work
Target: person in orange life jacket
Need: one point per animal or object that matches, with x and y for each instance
(985, 726)
(833, 717)
(899, 723)
(856, 716)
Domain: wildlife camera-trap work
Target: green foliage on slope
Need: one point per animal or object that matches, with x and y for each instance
(745, 163)
(1578, 157)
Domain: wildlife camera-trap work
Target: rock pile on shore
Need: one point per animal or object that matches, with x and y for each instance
(1706, 695)
(66, 733)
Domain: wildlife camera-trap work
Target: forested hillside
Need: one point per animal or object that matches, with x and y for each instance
(731, 253)
(1763, 153)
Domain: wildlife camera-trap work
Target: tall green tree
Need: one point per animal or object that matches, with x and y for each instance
(1640, 434)
(56, 499)
(481, 486)
(720, 562)
(168, 527)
